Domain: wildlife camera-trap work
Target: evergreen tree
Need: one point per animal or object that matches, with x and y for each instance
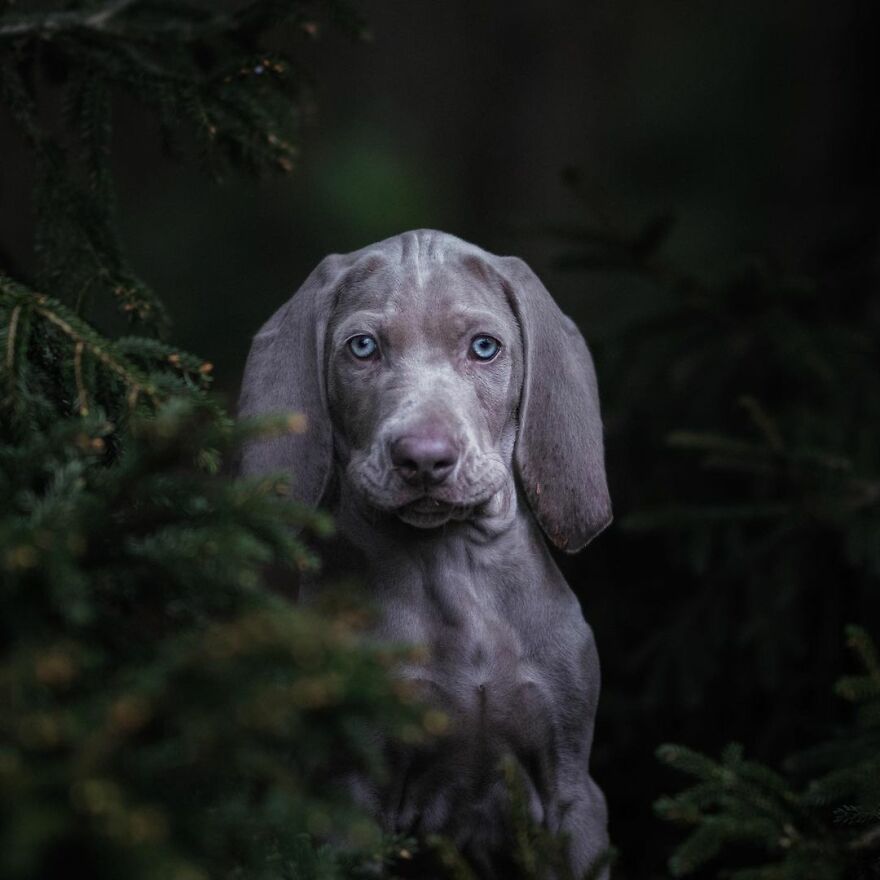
(163, 713)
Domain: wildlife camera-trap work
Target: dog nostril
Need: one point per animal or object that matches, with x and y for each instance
(427, 459)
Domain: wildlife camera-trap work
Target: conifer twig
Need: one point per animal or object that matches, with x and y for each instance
(54, 22)
(76, 330)
(129, 374)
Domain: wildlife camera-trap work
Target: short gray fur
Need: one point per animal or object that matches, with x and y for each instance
(460, 567)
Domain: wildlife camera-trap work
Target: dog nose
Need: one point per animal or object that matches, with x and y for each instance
(424, 458)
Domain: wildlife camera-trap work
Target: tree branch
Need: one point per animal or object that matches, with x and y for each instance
(868, 840)
(45, 24)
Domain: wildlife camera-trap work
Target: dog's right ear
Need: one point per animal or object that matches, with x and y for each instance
(285, 374)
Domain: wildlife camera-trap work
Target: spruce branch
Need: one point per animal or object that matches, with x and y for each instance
(47, 24)
(83, 337)
(197, 69)
(744, 802)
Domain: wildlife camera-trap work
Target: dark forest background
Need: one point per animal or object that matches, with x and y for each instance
(697, 184)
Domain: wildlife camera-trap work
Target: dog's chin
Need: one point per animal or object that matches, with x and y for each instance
(427, 513)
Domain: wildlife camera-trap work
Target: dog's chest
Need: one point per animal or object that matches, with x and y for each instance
(495, 693)
(483, 663)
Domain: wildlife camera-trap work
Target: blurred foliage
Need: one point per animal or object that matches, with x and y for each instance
(164, 712)
(766, 508)
(749, 542)
(737, 806)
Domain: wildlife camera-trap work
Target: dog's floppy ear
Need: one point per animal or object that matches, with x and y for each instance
(559, 451)
(285, 374)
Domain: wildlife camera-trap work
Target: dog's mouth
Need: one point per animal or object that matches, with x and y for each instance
(427, 507)
(428, 513)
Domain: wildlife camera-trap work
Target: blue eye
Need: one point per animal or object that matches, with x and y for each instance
(485, 347)
(363, 346)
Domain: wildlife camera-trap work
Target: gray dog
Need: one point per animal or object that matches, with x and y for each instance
(452, 410)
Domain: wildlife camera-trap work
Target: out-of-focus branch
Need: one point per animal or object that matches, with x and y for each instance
(47, 23)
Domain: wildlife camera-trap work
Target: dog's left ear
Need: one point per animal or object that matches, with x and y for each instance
(285, 374)
(559, 451)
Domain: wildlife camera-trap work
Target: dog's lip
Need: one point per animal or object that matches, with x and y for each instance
(427, 504)
(427, 512)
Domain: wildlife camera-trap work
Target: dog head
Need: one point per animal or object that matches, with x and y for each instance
(433, 373)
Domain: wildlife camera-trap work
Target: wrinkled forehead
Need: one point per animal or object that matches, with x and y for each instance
(448, 292)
